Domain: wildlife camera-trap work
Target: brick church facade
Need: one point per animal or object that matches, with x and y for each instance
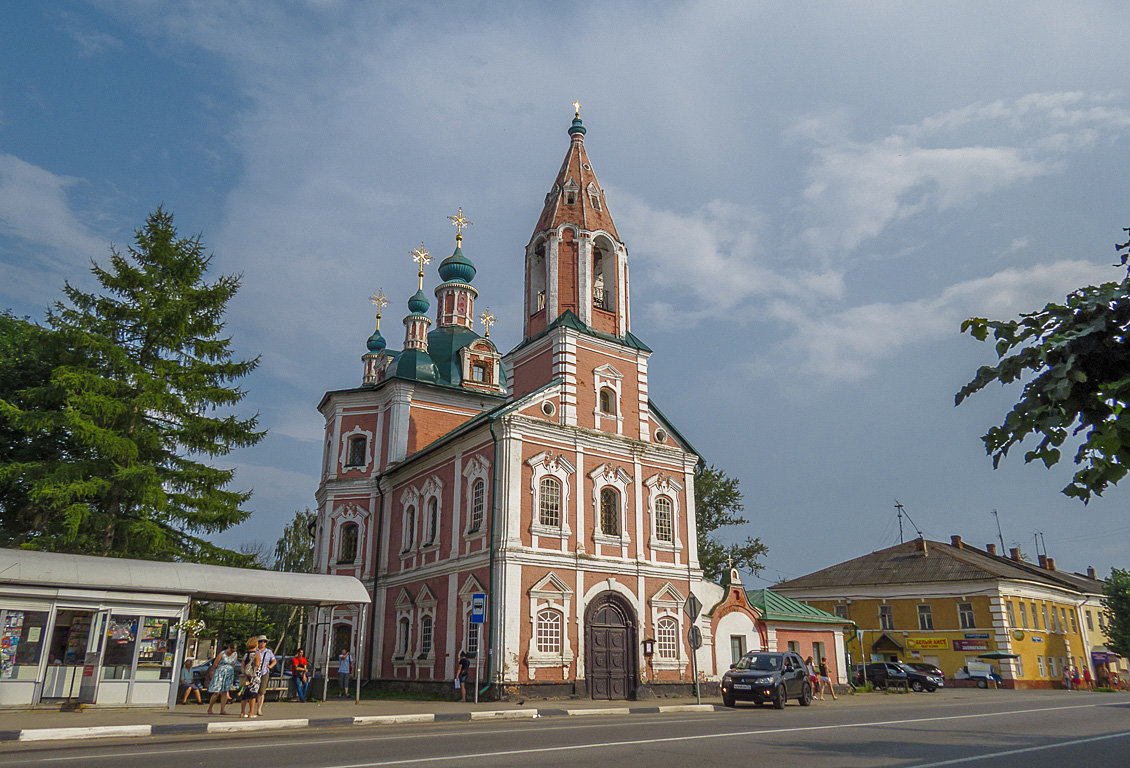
(544, 478)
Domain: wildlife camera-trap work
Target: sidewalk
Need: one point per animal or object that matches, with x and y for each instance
(52, 725)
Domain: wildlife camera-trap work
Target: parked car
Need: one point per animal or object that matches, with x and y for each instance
(763, 677)
(929, 669)
(883, 673)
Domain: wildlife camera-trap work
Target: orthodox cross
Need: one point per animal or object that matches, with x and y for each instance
(460, 222)
(380, 301)
(487, 319)
(576, 109)
(421, 256)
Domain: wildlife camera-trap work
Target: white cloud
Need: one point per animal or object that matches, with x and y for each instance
(855, 190)
(848, 345)
(91, 42)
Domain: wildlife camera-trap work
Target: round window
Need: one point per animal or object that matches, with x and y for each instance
(661, 435)
(548, 408)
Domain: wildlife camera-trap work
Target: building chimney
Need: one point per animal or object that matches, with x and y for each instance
(1090, 571)
(956, 541)
(920, 545)
(1051, 563)
(1014, 553)
(991, 549)
(1043, 561)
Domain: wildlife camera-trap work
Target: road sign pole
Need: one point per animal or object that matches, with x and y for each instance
(694, 668)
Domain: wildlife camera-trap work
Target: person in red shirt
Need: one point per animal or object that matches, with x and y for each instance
(300, 668)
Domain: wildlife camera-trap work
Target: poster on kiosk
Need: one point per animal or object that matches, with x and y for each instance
(92, 662)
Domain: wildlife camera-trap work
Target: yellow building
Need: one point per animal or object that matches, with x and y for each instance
(953, 604)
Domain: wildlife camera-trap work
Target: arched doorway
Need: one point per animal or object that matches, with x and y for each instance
(610, 647)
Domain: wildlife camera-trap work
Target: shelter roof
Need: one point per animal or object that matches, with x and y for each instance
(195, 580)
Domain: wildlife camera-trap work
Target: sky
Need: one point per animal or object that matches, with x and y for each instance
(813, 197)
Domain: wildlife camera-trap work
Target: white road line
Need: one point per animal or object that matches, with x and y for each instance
(1006, 753)
(699, 737)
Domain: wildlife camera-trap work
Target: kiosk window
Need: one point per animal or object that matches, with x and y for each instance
(155, 652)
(121, 638)
(22, 636)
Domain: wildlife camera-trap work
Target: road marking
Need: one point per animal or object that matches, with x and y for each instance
(699, 737)
(960, 760)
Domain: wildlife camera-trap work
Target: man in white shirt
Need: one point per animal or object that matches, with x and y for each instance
(267, 662)
(345, 664)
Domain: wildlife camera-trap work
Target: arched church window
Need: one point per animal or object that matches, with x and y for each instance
(433, 521)
(481, 372)
(409, 527)
(549, 631)
(664, 519)
(549, 502)
(426, 636)
(347, 552)
(667, 638)
(478, 502)
(603, 277)
(343, 634)
(608, 401)
(609, 512)
(356, 457)
(402, 638)
(537, 279)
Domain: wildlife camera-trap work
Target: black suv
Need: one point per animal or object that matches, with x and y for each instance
(762, 676)
(883, 673)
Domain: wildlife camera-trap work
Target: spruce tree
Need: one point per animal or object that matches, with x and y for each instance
(133, 407)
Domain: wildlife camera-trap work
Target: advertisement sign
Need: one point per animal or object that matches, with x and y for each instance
(970, 645)
(976, 635)
(927, 643)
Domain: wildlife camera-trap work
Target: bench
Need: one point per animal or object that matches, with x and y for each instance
(279, 687)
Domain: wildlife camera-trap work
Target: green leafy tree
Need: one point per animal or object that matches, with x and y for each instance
(718, 503)
(1078, 356)
(131, 410)
(1116, 601)
(294, 552)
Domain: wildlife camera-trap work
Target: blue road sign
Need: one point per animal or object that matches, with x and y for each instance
(478, 607)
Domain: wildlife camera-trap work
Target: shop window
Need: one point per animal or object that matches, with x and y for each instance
(121, 639)
(347, 553)
(667, 638)
(478, 504)
(664, 520)
(425, 637)
(22, 637)
(925, 617)
(965, 615)
(549, 631)
(549, 502)
(155, 652)
(433, 521)
(609, 512)
(886, 617)
(356, 456)
(607, 401)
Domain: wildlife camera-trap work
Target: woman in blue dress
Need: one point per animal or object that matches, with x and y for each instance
(222, 674)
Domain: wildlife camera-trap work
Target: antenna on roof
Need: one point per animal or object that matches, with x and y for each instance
(999, 534)
(898, 507)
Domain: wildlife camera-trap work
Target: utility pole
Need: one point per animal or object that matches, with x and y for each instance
(898, 506)
(999, 534)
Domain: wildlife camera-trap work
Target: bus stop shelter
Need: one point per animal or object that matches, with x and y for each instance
(104, 630)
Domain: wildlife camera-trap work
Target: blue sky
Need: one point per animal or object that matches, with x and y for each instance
(813, 197)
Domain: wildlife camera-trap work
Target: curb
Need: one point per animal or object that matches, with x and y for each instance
(246, 726)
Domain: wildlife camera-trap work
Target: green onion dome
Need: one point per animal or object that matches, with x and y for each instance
(457, 267)
(418, 304)
(577, 127)
(376, 342)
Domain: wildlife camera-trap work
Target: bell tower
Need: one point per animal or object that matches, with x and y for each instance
(575, 261)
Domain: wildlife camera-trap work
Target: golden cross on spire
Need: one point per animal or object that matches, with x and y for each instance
(576, 109)
(421, 256)
(730, 562)
(460, 223)
(380, 301)
(487, 319)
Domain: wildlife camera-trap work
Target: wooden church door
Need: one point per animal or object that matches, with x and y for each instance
(609, 672)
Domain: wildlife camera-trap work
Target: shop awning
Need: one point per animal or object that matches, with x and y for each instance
(196, 581)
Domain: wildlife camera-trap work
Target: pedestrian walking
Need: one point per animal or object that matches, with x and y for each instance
(825, 679)
(1087, 680)
(267, 662)
(463, 673)
(344, 667)
(810, 668)
(221, 675)
(300, 669)
(1067, 678)
(249, 679)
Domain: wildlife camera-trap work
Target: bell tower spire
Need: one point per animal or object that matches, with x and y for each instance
(575, 260)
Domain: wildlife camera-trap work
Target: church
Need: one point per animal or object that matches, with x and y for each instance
(544, 479)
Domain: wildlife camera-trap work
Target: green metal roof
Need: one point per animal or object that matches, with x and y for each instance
(568, 319)
(776, 607)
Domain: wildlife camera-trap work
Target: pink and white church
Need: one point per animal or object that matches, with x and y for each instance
(544, 478)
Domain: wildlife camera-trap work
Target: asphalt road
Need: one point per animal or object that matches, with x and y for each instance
(952, 728)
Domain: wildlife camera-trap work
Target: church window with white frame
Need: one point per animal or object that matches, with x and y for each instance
(472, 637)
(664, 519)
(433, 521)
(607, 401)
(404, 628)
(409, 527)
(478, 504)
(549, 631)
(356, 455)
(549, 506)
(667, 638)
(609, 512)
(425, 636)
(347, 552)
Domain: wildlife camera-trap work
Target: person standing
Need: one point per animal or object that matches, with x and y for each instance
(825, 679)
(1087, 681)
(221, 675)
(249, 679)
(464, 673)
(300, 668)
(267, 662)
(344, 667)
